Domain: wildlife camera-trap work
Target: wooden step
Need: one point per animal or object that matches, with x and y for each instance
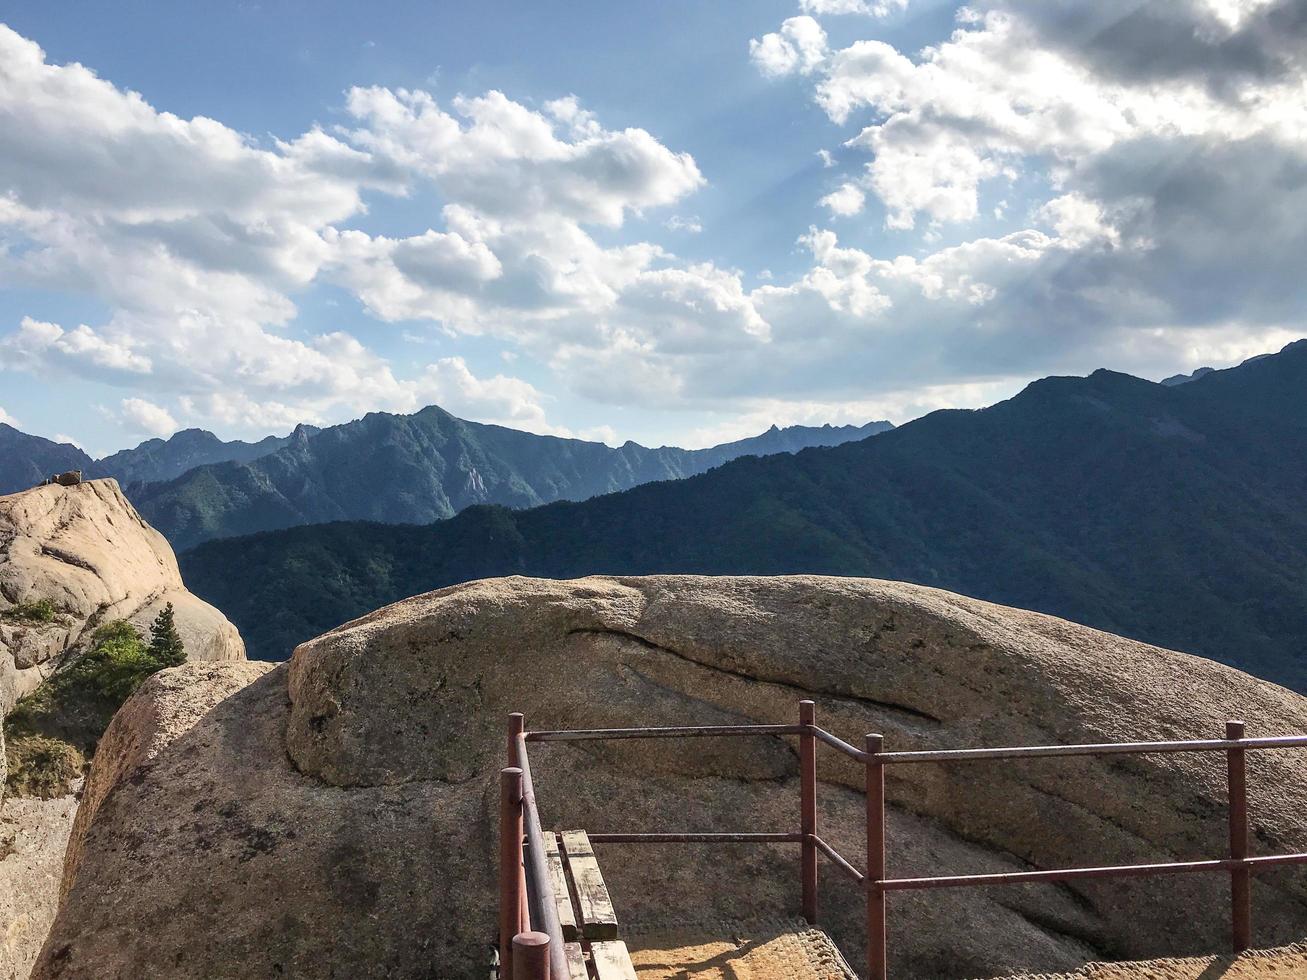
(562, 897)
(611, 960)
(594, 907)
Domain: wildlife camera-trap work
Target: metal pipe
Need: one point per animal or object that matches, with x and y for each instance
(510, 863)
(1074, 874)
(1241, 909)
(839, 861)
(691, 731)
(544, 911)
(694, 838)
(808, 809)
(1107, 748)
(516, 725)
(877, 938)
(532, 953)
(839, 744)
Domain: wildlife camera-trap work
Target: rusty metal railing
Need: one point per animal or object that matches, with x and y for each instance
(526, 897)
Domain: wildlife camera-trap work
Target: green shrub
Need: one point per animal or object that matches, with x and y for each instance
(76, 703)
(40, 611)
(42, 766)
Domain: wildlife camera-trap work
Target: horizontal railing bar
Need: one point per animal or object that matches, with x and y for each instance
(694, 838)
(1106, 748)
(1074, 874)
(692, 731)
(836, 743)
(838, 859)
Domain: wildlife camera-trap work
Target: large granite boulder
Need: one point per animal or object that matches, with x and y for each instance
(86, 550)
(334, 816)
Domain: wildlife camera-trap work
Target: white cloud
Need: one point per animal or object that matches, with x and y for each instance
(690, 225)
(847, 200)
(8, 419)
(798, 47)
(145, 416)
(81, 349)
(1001, 90)
(874, 8)
(196, 238)
(1170, 231)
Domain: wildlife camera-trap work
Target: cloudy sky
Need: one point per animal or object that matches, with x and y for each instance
(675, 222)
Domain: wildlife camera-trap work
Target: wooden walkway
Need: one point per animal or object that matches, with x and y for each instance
(585, 910)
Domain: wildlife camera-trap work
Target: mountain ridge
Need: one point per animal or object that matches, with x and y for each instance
(194, 486)
(424, 467)
(1167, 514)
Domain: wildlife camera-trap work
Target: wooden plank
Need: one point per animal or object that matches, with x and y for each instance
(575, 962)
(612, 961)
(562, 898)
(595, 908)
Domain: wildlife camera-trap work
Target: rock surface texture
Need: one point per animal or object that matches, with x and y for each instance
(33, 835)
(334, 816)
(87, 550)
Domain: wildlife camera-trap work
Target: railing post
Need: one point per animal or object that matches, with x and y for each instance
(530, 956)
(808, 810)
(1241, 911)
(510, 864)
(517, 725)
(877, 968)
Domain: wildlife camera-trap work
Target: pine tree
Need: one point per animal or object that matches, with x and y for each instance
(165, 642)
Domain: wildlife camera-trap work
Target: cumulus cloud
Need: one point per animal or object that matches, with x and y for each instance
(7, 419)
(1165, 229)
(145, 416)
(196, 237)
(848, 199)
(1172, 137)
(798, 47)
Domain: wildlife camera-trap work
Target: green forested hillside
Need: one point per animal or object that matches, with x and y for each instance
(424, 467)
(1171, 514)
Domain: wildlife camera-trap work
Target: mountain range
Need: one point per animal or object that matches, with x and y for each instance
(27, 460)
(1168, 513)
(391, 468)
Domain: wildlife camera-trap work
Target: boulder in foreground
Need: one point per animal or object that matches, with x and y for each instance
(335, 816)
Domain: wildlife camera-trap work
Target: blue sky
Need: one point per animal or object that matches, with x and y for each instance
(672, 222)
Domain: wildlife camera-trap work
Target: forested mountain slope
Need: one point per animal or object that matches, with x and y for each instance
(1171, 514)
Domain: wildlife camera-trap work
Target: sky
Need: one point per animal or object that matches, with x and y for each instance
(674, 222)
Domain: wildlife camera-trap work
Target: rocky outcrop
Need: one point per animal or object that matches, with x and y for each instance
(33, 835)
(87, 550)
(334, 816)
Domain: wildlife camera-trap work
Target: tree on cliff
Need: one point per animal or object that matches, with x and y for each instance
(166, 645)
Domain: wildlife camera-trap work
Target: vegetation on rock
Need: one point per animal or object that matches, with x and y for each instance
(50, 733)
(39, 611)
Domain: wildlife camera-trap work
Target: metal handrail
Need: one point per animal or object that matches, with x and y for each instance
(876, 883)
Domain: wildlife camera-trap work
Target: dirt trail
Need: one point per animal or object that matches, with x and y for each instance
(1277, 964)
(776, 950)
